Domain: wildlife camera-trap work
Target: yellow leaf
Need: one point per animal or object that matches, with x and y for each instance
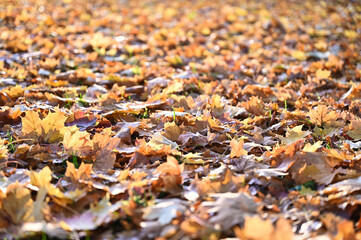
(42, 178)
(76, 174)
(312, 148)
(323, 74)
(252, 226)
(294, 134)
(193, 158)
(351, 34)
(53, 126)
(299, 55)
(50, 129)
(31, 125)
(78, 143)
(3, 149)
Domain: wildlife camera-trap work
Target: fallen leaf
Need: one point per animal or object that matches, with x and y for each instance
(237, 148)
(192, 158)
(164, 211)
(294, 134)
(355, 133)
(103, 146)
(17, 204)
(321, 115)
(78, 143)
(323, 74)
(229, 209)
(50, 129)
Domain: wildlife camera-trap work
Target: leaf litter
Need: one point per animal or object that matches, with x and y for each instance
(180, 119)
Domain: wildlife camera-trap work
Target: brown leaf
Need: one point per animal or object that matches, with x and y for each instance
(81, 120)
(103, 146)
(170, 174)
(254, 105)
(17, 204)
(172, 131)
(312, 166)
(322, 116)
(229, 209)
(355, 133)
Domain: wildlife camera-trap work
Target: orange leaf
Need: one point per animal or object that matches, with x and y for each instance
(237, 148)
(322, 115)
(322, 74)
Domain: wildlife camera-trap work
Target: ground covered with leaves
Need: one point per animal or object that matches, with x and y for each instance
(180, 119)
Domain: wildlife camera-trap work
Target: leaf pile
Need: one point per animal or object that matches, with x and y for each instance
(180, 119)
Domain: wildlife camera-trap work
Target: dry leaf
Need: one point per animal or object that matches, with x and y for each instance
(103, 146)
(237, 148)
(322, 74)
(293, 135)
(17, 204)
(50, 129)
(322, 116)
(78, 143)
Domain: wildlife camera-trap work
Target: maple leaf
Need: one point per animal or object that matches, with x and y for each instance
(170, 174)
(322, 116)
(322, 74)
(17, 204)
(312, 148)
(355, 133)
(78, 143)
(172, 131)
(81, 120)
(42, 180)
(312, 166)
(83, 172)
(192, 158)
(299, 55)
(170, 167)
(153, 148)
(254, 105)
(343, 188)
(252, 224)
(335, 157)
(103, 146)
(53, 126)
(31, 125)
(101, 212)
(237, 148)
(50, 129)
(3, 149)
(294, 134)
